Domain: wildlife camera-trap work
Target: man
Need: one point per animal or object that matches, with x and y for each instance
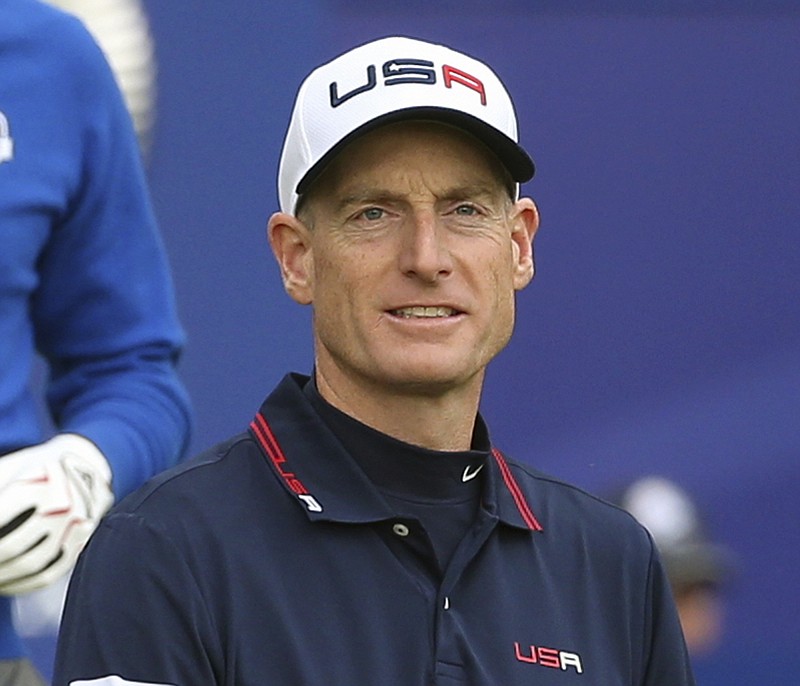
(365, 530)
(84, 285)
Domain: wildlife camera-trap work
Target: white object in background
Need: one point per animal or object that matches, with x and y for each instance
(122, 30)
(6, 142)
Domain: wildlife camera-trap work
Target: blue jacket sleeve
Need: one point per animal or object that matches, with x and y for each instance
(104, 311)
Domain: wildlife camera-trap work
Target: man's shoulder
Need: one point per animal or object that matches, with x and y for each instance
(231, 484)
(194, 516)
(563, 506)
(226, 471)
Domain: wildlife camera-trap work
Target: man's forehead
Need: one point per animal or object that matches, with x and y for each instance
(419, 149)
(436, 158)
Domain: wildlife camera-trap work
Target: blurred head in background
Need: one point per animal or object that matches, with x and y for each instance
(697, 567)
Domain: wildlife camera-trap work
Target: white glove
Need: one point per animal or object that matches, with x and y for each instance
(52, 497)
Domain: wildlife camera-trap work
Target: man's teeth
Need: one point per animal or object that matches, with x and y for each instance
(409, 312)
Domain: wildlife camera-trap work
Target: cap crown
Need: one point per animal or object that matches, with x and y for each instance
(388, 80)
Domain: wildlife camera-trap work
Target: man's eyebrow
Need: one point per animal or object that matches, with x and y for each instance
(367, 197)
(470, 191)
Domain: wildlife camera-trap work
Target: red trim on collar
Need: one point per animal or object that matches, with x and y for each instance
(516, 493)
(270, 445)
(267, 439)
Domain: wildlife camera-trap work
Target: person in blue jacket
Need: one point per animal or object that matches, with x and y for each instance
(365, 529)
(84, 285)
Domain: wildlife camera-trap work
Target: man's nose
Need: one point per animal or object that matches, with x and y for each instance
(425, 253)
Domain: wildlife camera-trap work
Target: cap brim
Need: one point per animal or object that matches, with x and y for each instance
(513, 157)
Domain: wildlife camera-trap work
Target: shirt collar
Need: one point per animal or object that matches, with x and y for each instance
(314, 467)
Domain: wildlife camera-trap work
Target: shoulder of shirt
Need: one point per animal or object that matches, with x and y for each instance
(208, 472)
(561, 497)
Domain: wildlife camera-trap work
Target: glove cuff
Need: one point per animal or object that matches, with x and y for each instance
(85, 450)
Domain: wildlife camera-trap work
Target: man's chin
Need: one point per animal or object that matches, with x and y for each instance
(428, 381)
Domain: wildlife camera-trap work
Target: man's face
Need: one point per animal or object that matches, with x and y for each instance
(415, 250)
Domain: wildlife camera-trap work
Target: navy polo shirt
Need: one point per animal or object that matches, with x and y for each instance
(273, 559)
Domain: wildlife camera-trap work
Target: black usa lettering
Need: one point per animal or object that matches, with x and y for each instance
(397, 72)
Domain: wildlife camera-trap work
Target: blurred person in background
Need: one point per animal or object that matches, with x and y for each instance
(85, 292)
(696, 566)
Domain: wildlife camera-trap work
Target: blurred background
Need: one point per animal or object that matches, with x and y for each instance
(662, 332)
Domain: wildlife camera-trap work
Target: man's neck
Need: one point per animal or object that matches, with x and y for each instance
(436, 421)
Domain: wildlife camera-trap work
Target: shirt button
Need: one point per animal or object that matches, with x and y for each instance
(400, 529)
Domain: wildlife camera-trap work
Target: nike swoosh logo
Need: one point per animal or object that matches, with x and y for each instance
(468, 475)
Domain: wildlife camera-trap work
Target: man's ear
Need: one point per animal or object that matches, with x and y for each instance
(524, 223)
(291, 244)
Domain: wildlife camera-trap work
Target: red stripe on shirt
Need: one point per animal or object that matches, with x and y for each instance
(516, 493)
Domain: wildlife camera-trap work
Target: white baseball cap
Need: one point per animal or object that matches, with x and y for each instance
(388, 80)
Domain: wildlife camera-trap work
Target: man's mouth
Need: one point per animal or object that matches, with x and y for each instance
(424, 312)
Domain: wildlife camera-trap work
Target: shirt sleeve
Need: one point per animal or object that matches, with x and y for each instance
(667, 663)
(104, 310)
(148, 624)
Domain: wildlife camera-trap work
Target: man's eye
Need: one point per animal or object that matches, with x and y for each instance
(372, 213)
(466, 210)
